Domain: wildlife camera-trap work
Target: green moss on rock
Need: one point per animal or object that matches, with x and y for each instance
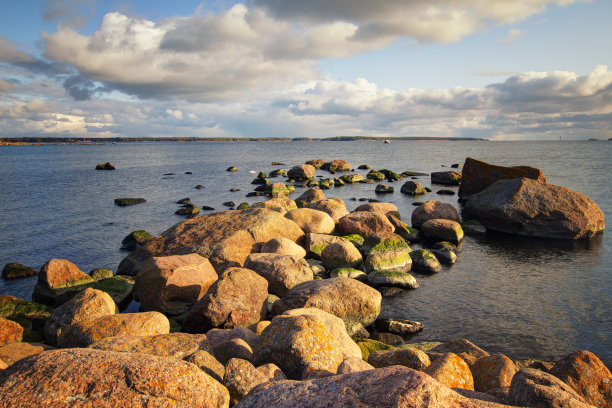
(369, 346)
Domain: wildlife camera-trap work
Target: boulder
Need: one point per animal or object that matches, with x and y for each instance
(353, 365)
(311, 195)
(385, 208)
(384, 189)
(310, 220)
(492, 371)
(349, 299)
(279, 203)
(301, 172)
(388, 387)
(274, 189)
(175, 345)
(531, 208)
(449, 178)
(316, 243)
(337, 165)
(234, 348)
(118, 287)
(442, 230)
(365, 223)
(348, 348)
(349, 273)
(397, 326)
(423, 261)
(240, 377)
(452, 371)
(86, 332)
(207, 362)
(445, 256)
(433, 210)
(225, 238)
(12, 307)
(15, 270)
(128, 201)
(407, 357)
(535, 388)
(13, 352)
(334, 207)
(105, 166)
(351, 178)
(316, 163)
(375, 175)
(413, 188)
(387, 253)
(10, 331)
(135, 239)
(171, 284)
(60, 273)
(281, 271)
(237, 298)
(463, 348)
(65, 378)
(403, 230)
(101, 273)
(587, 375)
(283, 246)
(298, 342)
(219, 336)
(478, 175)
(341, 254)
(390, 175)
(87, 305)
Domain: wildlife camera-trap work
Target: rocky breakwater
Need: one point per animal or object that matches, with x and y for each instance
(233, 314)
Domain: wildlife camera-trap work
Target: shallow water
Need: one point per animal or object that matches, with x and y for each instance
(522, 297)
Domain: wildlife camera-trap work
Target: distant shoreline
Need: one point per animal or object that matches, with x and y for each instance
(110, 140)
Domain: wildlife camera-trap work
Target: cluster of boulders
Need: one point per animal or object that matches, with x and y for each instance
(274, 305)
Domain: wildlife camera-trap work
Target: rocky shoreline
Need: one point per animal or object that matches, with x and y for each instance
(278, 305)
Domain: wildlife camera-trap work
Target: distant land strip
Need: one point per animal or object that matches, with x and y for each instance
(66, 140)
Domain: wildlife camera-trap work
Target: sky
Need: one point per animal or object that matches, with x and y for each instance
(494, 69)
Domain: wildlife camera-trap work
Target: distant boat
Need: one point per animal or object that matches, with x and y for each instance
(387, 141)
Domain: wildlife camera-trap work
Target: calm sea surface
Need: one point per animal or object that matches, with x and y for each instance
(521, 297)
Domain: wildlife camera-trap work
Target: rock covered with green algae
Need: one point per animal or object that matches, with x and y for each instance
(387, 253)
(65, 378)
(16, 270)
(424, 261)
(402, 280)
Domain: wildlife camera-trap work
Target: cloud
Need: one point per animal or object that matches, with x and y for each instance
(513, 35)
(263, 45)
(443, 21)
(175, 113)
(73, 13)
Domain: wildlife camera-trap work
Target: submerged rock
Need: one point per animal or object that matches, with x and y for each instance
(123, 202)
(105, 166)
(449, 178)
(16, 270)
(413, 188)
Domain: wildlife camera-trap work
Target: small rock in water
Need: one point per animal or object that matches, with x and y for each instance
(363, 167)
(274, 163)
(417, 203)
(398, 326)
(207, 208)
(231, 169)
(184, 201)
(188, 172)
(199, 187)
(15, 270)
(233, 190)
(188, 209)
(105, 166)
(168, 174)
(445, 192)
(123, 202)
(229, 204)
